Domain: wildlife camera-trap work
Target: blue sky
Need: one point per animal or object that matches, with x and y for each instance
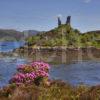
(42, 14)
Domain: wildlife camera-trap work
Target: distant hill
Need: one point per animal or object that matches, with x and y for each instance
(13, 35)
(29, 33)
(94, 32)
(10, 35)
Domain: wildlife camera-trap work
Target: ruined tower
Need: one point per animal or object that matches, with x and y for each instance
(68, 21)
(59, 21)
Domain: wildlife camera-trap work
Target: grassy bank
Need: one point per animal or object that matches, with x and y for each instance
(56, 91)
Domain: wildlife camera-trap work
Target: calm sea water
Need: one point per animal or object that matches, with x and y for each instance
(87, 72)
(8, 68)
(9, 46)
(78, 72)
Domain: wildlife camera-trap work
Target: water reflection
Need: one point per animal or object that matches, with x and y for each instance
(67, 56)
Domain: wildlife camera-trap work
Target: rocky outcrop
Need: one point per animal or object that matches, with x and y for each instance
(68, 21)
(59, 21)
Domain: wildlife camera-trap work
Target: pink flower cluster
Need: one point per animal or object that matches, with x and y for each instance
(28, 73)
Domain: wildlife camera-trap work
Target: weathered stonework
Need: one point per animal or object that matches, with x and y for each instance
(59, 21)
(68, 22)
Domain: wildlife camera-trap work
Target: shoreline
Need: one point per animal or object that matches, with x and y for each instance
(55, 53)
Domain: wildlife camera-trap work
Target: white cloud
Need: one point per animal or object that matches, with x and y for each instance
(87, 1)
(59, 15)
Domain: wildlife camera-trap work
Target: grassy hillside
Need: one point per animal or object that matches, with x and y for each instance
(65, 35)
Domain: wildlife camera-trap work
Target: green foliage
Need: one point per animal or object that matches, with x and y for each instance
(33, 40)
(65, 35)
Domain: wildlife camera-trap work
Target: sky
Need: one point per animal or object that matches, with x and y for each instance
(42, 14)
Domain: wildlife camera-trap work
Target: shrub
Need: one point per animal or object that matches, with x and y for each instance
(34, 72)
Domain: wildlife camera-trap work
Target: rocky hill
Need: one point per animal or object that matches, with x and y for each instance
(65, 35)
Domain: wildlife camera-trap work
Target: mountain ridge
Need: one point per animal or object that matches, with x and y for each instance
(14, 35)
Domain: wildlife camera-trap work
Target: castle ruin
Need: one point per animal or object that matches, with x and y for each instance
(68, 21)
